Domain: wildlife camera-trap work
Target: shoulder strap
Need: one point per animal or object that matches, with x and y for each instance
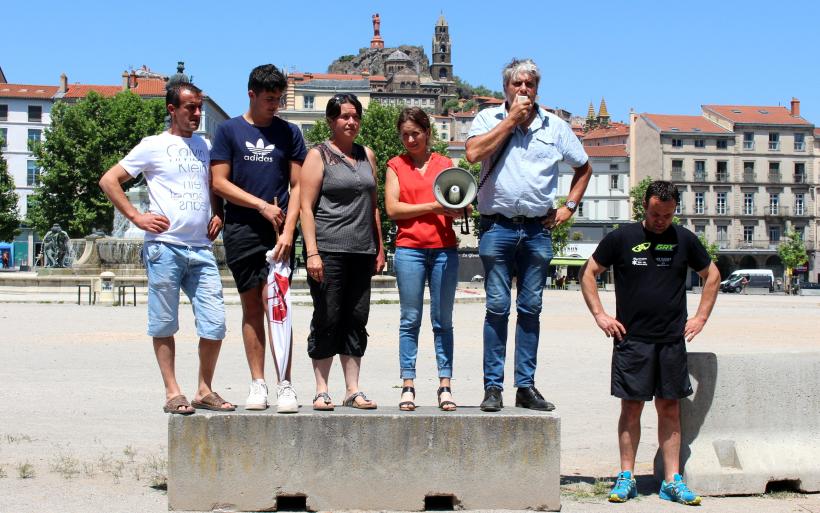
(494, 161)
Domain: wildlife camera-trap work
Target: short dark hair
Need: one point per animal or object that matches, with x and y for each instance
(173, 92)
(334, 105)
(662, 190)
(415, 115)
(267, 77)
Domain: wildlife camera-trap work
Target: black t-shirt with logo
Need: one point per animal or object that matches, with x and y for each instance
(260, 164)
(650, 278)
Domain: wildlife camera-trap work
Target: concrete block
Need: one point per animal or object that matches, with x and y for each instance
(365, 460)
(752, 420)
(809, 292)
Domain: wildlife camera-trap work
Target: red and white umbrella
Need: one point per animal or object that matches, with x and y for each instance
(279, 320)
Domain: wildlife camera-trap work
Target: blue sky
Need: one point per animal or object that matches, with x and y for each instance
(652, 56)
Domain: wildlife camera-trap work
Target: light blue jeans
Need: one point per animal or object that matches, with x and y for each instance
(525, 249)
(415, 267)
(172, 267)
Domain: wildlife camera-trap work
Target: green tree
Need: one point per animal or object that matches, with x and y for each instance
(712, 248)
(378, 132)
(637, 194)
(9, 215)
(792, 253)
(560, 234)
(85, 139)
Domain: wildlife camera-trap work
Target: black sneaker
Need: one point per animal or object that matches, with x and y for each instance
(531, 398)
(492, 400)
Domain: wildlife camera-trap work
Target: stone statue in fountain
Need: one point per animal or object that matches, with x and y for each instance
(55, 247)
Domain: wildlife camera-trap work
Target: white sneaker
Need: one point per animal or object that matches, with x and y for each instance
(257, 396)
(286, 398)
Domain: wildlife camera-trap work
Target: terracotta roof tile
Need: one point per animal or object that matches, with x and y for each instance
(27, 91)
(609, 150)
(82, 90)
(754, 114)
(614, 130)
(150, 87)
(325, 76)
(670, 124)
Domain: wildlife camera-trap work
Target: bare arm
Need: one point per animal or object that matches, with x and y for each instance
(222, 185)
(398, 210)
(111, 184)
(310, 183)
(377, 223)
(580, 181)
(589, 288)
(217, 213)
(711, 277)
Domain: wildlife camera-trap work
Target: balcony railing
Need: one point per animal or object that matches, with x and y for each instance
(776, 211)
(722, 177)
(677, 176)
(757, 244)
(800, 212)
(800, 178)
(700, 176)
(749, 176)
(774, 145)
(774, 176)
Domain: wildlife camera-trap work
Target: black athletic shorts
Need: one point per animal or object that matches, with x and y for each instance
(642, 370)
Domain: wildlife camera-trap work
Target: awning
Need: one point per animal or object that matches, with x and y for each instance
(568, 261)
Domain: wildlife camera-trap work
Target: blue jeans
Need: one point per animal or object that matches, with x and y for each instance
(508, 248)
(439, 268)
(171, 267)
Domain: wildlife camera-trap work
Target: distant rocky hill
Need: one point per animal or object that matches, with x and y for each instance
(372, 61)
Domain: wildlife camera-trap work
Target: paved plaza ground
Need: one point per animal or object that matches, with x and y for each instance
(82, 395)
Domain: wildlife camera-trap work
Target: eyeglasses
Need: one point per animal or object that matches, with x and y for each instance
(343, 97)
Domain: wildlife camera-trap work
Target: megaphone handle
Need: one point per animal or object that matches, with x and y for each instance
(465, 226)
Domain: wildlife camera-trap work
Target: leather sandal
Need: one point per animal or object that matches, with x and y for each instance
(442, 404)
(367, 404)
(325, 397)
(174, 404)
(408, 405)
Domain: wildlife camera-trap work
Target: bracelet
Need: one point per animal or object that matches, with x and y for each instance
(313, 255)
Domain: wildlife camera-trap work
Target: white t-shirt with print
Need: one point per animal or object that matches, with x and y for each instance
(177, 173)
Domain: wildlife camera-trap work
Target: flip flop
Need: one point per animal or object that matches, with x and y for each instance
(326, 399)
(173, 404)
(350, 402)
(212, 402)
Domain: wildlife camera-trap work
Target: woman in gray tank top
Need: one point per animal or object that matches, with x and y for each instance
(343, 243)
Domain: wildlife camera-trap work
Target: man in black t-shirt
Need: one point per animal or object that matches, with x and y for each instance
(255, 164)
(651, 261)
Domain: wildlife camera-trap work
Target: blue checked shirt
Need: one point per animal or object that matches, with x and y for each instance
(525, 181)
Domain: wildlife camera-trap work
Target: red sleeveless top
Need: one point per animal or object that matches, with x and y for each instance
(429, 230)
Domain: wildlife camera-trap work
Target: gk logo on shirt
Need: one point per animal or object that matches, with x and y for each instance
(259, 151)
(641, 247)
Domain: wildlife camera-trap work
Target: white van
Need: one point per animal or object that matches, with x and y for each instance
(757, 278)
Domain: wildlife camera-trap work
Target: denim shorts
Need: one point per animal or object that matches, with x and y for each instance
(172, 267)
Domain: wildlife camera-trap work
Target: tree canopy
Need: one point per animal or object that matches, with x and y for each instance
(792, 253)
(84, 140)
(9, 215)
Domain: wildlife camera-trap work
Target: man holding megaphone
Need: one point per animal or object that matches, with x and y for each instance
(519, 146)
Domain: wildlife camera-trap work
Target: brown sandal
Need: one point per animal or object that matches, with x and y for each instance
(213, 402)
(173, 404)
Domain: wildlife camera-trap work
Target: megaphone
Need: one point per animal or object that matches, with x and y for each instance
(456, 188)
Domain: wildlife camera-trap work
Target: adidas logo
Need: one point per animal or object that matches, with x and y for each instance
(259, 151)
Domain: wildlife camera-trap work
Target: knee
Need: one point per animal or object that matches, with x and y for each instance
(668, 408)
(631, 410)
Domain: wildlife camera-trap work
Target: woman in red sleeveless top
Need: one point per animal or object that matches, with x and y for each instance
(426, 252)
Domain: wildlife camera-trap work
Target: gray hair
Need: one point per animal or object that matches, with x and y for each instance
(517, 66)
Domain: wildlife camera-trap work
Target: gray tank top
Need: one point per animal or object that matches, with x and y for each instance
(344, 211)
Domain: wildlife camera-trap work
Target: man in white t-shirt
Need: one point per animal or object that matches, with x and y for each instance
(179, 228)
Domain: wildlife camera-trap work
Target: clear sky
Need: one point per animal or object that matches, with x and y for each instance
(649, 55)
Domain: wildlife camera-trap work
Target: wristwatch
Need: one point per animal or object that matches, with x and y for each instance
(571, 205)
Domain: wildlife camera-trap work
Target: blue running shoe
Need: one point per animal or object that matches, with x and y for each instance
(677, 491)
(624, 488)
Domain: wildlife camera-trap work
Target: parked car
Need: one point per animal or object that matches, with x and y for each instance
(755, 281)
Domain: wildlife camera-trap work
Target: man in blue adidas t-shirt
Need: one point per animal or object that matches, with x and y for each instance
(255, 163)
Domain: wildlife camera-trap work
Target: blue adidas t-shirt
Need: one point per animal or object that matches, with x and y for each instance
(260, 161)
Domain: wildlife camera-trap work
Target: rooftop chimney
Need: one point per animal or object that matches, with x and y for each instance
(133, 80)
(124, 80)
(795, 107)
(63, 83)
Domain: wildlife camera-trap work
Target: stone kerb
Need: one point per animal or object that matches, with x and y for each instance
(752, 420)
(357, 460)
